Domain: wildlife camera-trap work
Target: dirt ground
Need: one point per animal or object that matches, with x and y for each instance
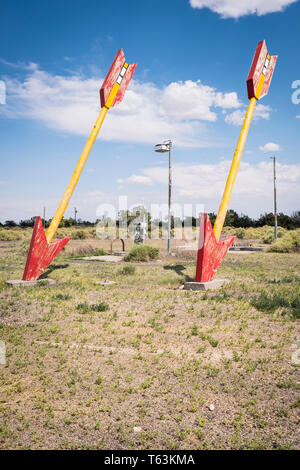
(142, 364)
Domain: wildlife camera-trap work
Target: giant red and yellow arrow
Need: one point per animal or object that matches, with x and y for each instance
(41, 254)
(258, 83)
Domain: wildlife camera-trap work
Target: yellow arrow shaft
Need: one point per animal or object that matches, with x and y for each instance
(75, 177)
(79, 167)
(233, 170)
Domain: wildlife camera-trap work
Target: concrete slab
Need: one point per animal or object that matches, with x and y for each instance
(21, 283)
(107, 258)
(214, 284)
(245, 250)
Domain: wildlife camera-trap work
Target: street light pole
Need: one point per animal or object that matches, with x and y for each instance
(162, 148)
(275, 195)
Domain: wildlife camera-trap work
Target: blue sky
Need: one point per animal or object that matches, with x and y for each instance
(190, 85)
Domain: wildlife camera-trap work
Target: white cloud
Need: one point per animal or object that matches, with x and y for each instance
(252, 193)
(192, 184)
(237, 8)
(139, 179)
(262, 111)
(147, 114)
(193, 100)
(270, 147)
(237, 117)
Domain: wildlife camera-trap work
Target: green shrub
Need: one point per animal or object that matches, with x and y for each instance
(237, 232)
(101, 307)
(240, 233)
(9, 235)
(86, 308)
(128, 269)
(83, 307)
(270, 303)
(99, 252)
(63, 297)
(267, 303)
(99, 380)
(290, 242)
(78, 234)
(24, 247)
(267, 234)
(142, 253)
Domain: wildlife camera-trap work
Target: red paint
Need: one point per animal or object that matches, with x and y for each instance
(112, 76)
(112, 242)
(210, 253)
(269, 76)
(41, 253)
(257, 68)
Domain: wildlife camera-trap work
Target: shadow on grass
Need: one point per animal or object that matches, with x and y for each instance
(179, 268)
(52, 268)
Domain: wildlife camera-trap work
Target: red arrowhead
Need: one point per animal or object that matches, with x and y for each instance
(41, 253)
(210, 253)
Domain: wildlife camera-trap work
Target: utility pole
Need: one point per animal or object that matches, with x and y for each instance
(44, 217)
(275, 195)
(170, 197)
(75, 216)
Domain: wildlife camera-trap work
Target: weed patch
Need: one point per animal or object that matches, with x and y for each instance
(127, 270)
(142, 253)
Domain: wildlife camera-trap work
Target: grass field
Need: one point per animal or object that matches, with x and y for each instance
(138, 364)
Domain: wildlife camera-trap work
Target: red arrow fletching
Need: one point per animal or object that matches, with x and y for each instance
(112, 76)
(257, 69)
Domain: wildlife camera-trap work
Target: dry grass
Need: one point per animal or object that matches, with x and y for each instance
(80, 375)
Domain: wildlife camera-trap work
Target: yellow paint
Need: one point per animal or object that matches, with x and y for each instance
(233, 170)
(112, 95)
(260, 86)
(79, 167)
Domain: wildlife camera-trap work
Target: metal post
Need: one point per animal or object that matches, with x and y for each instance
(162, 148)
(170, 197)
(275, 195)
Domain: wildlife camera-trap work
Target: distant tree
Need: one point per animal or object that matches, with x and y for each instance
(265, 219)
(212, 217)
(66, 222)
(285, 221)
(10, 223)
(295, 216)
(244, 221)
(27, 222)
(231, 219)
